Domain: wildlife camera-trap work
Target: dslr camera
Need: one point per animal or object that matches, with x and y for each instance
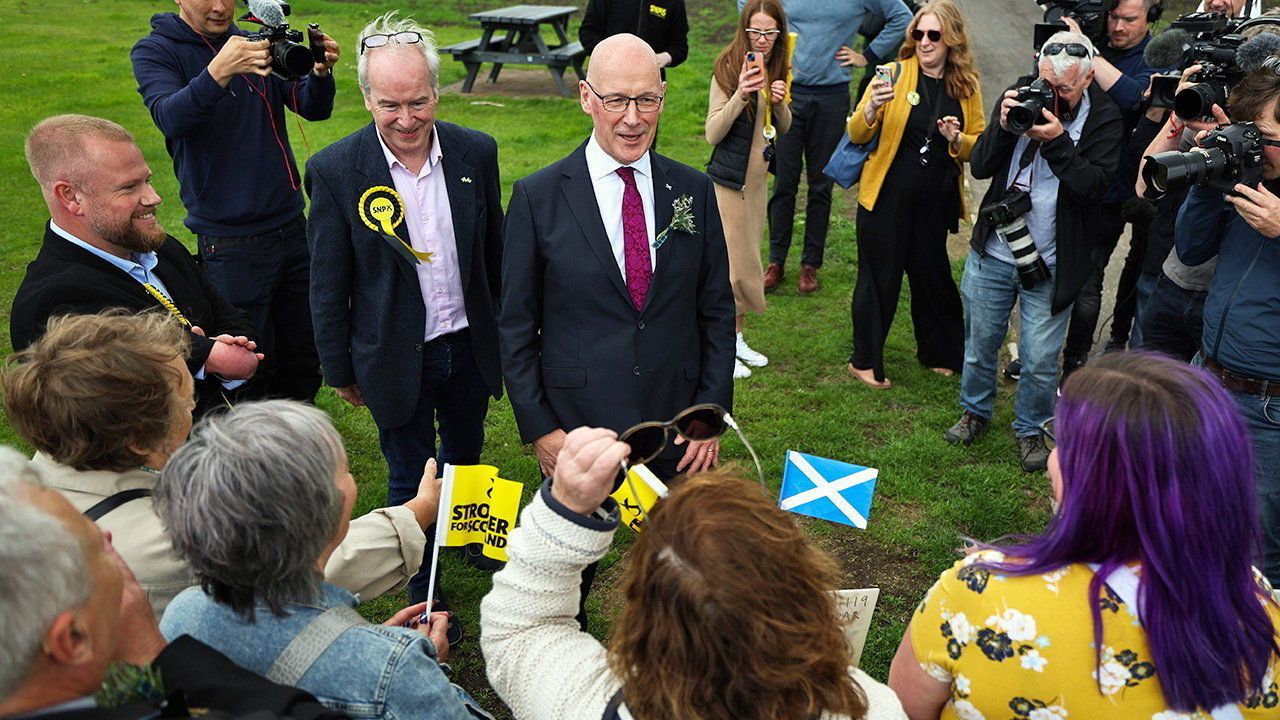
(1005, 215)
(1218, 73)
(1031, 100)
(290, 60)
(1230, 154)
(1091, 15)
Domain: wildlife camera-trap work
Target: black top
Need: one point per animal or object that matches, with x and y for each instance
(661, 23)
(940, 173)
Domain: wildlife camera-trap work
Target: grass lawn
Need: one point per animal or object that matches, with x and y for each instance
(928, 491)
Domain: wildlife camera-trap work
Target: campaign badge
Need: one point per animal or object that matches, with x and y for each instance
(382, 211)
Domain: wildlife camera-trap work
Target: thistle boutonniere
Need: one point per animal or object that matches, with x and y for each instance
(681, 219)
(126, 684)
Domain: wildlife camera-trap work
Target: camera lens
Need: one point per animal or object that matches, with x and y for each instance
(291, 59)
(1022, 116)
(1198, 100)
(1174, 171)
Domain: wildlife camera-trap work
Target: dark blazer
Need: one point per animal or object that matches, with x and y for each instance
(366, 302)
(65, 278)
(574, 349)
(1084, 174)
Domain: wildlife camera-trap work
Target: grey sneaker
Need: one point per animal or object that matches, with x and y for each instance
(1033, 453)
(968, 428)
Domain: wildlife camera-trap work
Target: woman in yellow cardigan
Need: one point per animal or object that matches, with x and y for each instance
(911, 193)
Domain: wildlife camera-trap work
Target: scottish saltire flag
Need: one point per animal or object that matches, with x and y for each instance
(827, 489)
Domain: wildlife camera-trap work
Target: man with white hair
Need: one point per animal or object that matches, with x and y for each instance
(406, 252)
(1063, 165)
(71, 609)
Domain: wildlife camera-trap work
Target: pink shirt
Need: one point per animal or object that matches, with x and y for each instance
(428, 219)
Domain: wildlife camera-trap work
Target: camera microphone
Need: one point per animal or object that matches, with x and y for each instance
(1166, 50)
(1253, 54)
(270, 12)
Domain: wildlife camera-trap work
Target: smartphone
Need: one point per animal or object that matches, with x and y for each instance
(755, 59)
(884, 73)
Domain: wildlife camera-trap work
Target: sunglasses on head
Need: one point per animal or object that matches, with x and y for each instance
(933, 35)
(1072, 49)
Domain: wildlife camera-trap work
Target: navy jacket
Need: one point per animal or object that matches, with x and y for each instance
(1126, 93)
(1242, 311)
(366, 302)
(227, 143)
(574, 349)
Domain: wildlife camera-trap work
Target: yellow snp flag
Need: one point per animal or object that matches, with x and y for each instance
(648, 488)
(482, 508)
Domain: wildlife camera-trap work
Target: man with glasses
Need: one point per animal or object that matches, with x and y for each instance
(1064, 164)
(1121, 70)
(213, 96)
(819, 110)
(616, 303)
(406, 251)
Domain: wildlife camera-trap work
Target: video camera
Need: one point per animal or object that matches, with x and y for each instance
(1031, 100)
(1091, 15)
(289, 59)
(1228, 155)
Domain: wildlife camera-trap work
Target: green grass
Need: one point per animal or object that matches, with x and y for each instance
(928, 491)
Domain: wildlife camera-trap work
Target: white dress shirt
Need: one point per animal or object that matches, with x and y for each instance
(428, 219)
(609, 186)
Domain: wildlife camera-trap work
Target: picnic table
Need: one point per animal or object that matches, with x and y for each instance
(512, 36)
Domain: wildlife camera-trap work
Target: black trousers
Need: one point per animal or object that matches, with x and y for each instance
(907, 231)
(1088, 304)
(269, 277)
(817, 122)
(1127, 292)
(1173, 320)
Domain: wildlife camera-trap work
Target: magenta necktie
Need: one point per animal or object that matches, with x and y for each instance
(635, 241)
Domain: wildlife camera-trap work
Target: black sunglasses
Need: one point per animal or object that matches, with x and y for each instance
(1072, 49)
(934, 35)
(698, 423)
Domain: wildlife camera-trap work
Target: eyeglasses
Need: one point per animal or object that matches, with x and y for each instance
(1072, 49)
(933, 35)
(698, 423)
(769, 34)
(619, 103)
(408, 37)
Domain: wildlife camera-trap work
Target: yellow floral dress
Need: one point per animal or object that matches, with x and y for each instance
(1021, 648)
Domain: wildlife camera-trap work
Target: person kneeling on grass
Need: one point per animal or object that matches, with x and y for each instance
(707, 631)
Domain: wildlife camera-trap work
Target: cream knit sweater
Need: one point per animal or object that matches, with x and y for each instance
(538, 660)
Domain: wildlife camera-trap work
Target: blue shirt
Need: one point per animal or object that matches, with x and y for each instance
(1242, 310)
(370, 671)
(1042, 221)
(822, 26)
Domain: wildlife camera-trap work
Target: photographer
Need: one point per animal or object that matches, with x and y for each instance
(1060, 168)
(213, 94)
(1240, 344)
(1124, 74)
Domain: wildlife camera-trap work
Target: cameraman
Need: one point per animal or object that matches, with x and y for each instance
(211, 92)
(1123, 73)
(1241, 343)
(1065, 164)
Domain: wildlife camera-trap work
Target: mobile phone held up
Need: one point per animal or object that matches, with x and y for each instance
(884, 73)
(755, 59)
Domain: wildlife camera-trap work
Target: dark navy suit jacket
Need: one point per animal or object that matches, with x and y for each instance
(366, 302)
(575, 351)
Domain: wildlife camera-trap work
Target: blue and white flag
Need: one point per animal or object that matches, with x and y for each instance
(827, 489)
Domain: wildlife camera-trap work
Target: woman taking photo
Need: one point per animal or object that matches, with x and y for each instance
(1139, 600)
(745, 93)
(928, 117)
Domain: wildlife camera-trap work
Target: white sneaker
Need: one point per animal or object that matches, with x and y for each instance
(749, 356)
(739, 370)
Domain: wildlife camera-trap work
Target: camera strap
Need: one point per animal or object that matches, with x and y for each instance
(1028, 155)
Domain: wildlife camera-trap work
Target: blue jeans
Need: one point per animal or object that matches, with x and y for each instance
(1262, 418)
(1145, 287)
(989, 289)
(1172, 319)
(453, 393)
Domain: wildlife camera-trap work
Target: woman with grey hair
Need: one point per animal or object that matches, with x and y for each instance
(257, 501)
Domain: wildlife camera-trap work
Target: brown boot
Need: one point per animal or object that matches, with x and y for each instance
(808, 282)
(772, 276)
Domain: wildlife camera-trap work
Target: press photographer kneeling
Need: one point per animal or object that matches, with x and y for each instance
(1233, 213)
(1050, 160)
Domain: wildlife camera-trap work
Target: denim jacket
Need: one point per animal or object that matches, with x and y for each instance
(370, 671)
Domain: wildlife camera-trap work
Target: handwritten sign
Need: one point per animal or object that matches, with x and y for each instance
(854, 608)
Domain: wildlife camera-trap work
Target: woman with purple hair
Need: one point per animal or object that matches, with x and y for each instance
(1139, 600)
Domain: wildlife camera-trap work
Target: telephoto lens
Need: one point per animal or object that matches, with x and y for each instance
(1197, 101)
(1230, 154)
(1175, 171)
(1032, 269)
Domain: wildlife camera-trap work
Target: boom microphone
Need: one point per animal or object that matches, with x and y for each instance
(272, 14)
(1254, 52)
(1167, 49)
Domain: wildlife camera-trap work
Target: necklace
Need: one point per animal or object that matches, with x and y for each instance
(933, 116)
